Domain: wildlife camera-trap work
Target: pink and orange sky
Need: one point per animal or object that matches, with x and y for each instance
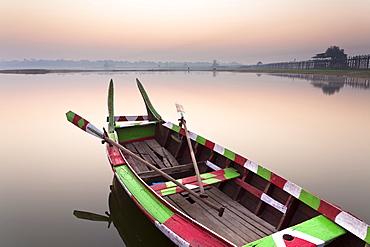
(244, 31)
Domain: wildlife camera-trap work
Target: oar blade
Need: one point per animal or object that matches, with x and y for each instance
(180, 110)
(90, 216)
(111, 107)
(152, 113)
(83, 124)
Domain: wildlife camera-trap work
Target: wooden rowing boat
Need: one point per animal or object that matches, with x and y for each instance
(199, 193)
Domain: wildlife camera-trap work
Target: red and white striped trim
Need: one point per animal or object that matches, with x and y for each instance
(130, 118)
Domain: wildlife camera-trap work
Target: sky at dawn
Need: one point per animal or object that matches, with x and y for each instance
(244, 31)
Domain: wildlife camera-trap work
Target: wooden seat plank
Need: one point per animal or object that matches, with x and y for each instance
(192, 182)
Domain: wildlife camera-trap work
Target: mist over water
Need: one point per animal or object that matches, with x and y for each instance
(316, 138)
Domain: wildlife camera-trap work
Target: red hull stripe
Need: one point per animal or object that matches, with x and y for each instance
(240, 159)
(115, 156)
(333, 212)
(277, 180)
(209, 144)
(193, 234)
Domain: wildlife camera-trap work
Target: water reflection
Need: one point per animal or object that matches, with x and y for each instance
(330, 84)
(320, 143)
(133, 226)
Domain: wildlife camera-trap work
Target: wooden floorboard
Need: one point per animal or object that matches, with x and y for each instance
(152, 155)
(206, 217)
(238, 225)
(238, 209)
(138, 166)
(167, 156)
(156, 147)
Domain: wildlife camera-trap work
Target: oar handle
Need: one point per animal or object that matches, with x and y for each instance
(195, 164)
(138, 158)
(181, 112)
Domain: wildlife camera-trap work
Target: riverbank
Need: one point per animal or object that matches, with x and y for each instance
(348, 73)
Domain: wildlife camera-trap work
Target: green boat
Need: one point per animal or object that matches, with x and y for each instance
(195, 192)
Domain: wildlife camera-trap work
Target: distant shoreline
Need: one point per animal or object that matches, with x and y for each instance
(348, 73)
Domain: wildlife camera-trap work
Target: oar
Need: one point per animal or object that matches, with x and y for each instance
(91, 129)
(180, 110)
(92, 216)
(110, 107)
(152, 113)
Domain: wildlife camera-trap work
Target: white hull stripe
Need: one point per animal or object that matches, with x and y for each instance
(250, 165)
(171, 235)
(168, 125)
(192, 135)
(292, 189)
(219, 149)
(352, 224)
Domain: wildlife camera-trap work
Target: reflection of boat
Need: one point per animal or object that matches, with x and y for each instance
(132, 225)
(134, 228)
(258, 207)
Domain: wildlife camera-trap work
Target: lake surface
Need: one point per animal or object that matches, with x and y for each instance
(312, 132)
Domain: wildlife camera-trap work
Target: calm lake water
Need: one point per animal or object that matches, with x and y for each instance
(314, 133)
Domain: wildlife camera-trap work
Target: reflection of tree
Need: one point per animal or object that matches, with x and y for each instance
(328, 83)
(329, 89)
(215, 64)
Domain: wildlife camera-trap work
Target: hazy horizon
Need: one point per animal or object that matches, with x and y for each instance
(230, 31)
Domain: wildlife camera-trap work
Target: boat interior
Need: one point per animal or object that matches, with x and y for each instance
(254, 207)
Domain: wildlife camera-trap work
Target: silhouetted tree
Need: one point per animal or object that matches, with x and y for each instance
(338, 57)
(335, 53)
(215, 63)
